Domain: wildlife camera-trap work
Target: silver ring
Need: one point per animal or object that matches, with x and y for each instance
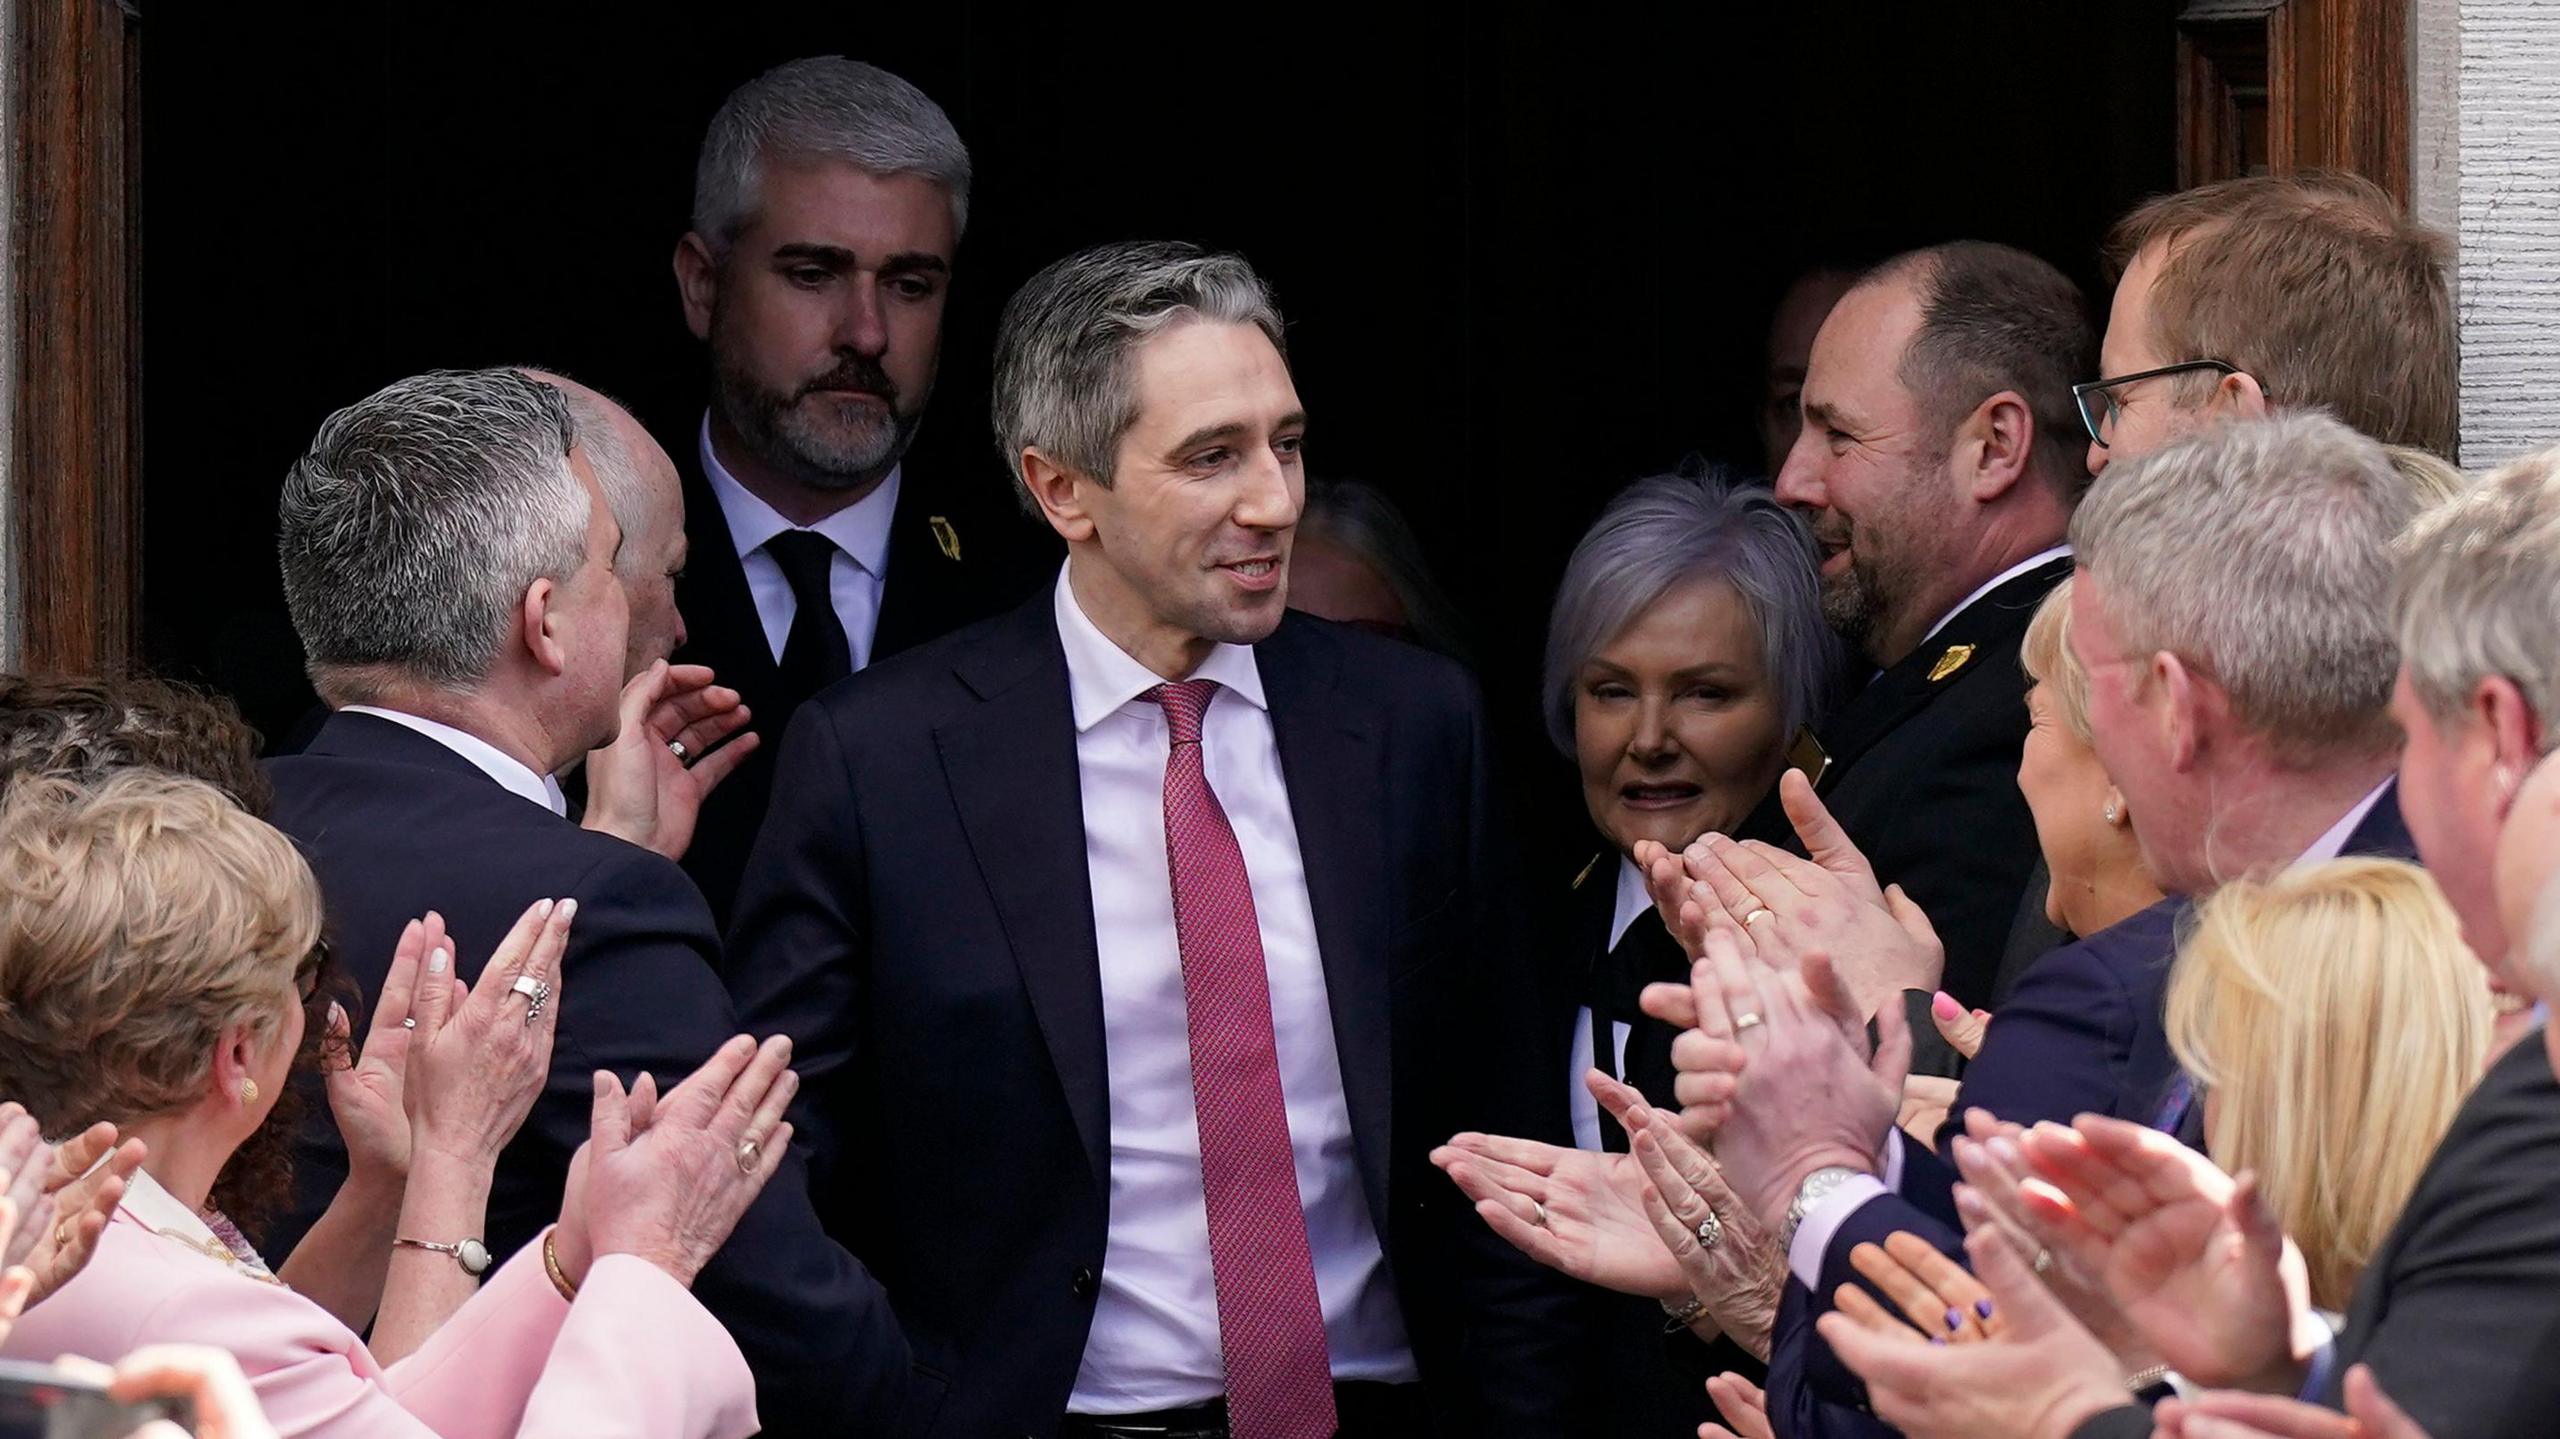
(683, 756)
(536, 995)
(749, 1153)
(1763, 912)
(1710, 1229)
(409, 1024)
(2044, 1260)
(1541, 1220)
(1742, 1022)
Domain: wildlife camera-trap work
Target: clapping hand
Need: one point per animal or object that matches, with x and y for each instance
(25, 1161)
(1729, 1261)
(367, 1093)
(2200, 1268)
(672, 1192)
(1743, 1404)
(1577, 1212)
(478, 1057)
(86, 1183)
(2039, 1377)
(638, 787)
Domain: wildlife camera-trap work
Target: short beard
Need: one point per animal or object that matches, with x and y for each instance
(783, 430)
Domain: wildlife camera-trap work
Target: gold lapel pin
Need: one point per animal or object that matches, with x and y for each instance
(1586, 871)
(945, 537)
(1956, 658)
(1807, 754)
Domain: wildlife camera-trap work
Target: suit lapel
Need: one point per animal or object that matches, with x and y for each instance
(1988, 624)
(921, 596)
(1332, 762)
(1011, 766)
(722, 628)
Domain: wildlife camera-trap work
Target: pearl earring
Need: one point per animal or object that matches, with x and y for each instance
(2112, 812)
(248, 1091)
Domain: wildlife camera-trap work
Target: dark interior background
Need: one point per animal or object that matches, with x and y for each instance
(1527, 251)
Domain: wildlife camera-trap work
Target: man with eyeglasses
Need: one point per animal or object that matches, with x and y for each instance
(2273, 293)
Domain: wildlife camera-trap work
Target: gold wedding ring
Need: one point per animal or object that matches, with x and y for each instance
(1755, 916)
(1742, 1022)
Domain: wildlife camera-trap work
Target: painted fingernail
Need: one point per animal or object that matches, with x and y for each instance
(1944, 1006)
(1955, 1319)
(438, 958)
(1982, 1307)
(1937, 1339)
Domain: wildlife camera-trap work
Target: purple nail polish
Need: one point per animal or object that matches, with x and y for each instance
(1955, 1319)
(1937, 1339)
(1982, 1307)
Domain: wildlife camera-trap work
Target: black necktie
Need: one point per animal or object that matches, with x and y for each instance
(815, 654)
(1617, 978)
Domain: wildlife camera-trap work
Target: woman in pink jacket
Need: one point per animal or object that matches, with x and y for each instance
(156, 948)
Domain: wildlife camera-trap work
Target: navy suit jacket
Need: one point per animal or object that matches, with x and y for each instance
(917, 916)
(2084, 1033)
(395, 824)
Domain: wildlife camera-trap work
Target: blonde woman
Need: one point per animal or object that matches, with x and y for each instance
(2333, 1021)
(153, 944)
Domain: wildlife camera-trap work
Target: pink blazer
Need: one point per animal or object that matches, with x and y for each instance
(636, 1356)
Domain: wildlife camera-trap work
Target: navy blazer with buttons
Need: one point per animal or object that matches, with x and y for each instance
(917, 916)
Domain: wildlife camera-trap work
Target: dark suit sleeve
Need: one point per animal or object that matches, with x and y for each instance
(1796, 1408)
(1968, 870)
(2062, 1046)
(1522, 1333)
(2474, 1269)
(2125, 1421)
(640, 993)
(796, 962)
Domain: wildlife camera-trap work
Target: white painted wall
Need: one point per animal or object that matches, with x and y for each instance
(2498, 63)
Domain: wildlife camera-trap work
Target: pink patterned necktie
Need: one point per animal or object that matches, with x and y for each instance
(1270, 1323)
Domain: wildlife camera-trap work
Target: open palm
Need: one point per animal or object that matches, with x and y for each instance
(366, 1093)
(1595, 1227)
(2205, 1298)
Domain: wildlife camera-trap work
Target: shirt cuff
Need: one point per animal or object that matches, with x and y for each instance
(2316, 1380)
(1813, 1234)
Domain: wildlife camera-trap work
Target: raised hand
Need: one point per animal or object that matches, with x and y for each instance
(478, 1058)
(672, 1193)
(1994, 1196)
(2040, 1377)
(1807, 1094)
(25, 1160)
(367, 1094)
(87, 1181)
(637, 787)
(1728, 1260)
(1791, 906)
(1579, 1213)
(2192, 1256)
(1935, 1294)
(1743, 1404)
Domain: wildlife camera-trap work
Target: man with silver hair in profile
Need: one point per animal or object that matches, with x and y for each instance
(829, 201)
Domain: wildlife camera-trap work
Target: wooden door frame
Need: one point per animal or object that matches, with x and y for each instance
(2336, 78)
(75, 444)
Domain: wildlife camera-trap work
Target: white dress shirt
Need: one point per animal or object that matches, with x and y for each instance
(2035, 561)
(492, 761)
(1813, 1235)
(1633, 900)
(861, 534)
(1154, 1343)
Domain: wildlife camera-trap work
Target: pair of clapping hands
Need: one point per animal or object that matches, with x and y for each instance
(2096, 1249)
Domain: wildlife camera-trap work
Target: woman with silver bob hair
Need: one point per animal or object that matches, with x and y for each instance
(1685, 651)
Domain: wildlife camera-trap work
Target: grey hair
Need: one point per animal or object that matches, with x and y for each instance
(1669, 530)
(823, 107)
(2478, 593)
(616, 468)
(1062, 382)
(1364, 521)
(2256, 551)
(410, 529)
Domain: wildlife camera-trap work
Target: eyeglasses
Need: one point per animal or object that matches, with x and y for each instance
(2097, 400)
(306, 975)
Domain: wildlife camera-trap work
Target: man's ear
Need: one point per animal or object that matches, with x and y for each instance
(697, 282)
(1994, 445)
(2238, 397)
(2188, 704)
(2515, 736)
(536, 623)
(1060, 493)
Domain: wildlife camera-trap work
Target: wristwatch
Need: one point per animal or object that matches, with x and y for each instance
(1817, 1186)
(471, 1254)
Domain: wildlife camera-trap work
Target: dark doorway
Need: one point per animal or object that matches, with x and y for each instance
(1526, 250)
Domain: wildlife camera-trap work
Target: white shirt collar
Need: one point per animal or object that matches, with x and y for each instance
(1633, 900)
(860, 529)
(1101, 676)
(156, 1209)
(2334, 843)
(2040, 558)
(497, 764)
